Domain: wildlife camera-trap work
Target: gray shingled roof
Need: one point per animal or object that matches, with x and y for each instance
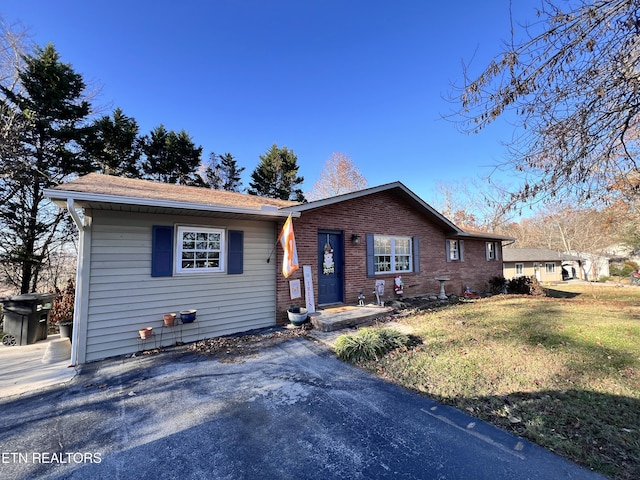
(534, 255)
(97, 184)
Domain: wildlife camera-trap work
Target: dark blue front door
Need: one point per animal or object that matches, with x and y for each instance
(330, 267)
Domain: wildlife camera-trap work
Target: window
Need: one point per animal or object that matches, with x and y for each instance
(550, 268)
(454, 252)
(520, 269)
(492, 250)
(392, 254)
(199, 249)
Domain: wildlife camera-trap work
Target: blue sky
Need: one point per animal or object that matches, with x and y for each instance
(369, 78)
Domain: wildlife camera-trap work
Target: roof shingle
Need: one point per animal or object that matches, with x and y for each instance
(98, 184)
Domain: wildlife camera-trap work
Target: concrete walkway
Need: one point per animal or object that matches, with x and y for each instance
(344, 316)
(23, 369)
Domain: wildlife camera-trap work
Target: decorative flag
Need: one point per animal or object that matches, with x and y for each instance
(288, 242)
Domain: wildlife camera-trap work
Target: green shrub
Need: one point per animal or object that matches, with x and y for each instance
(369, 344)
(622, 269)
(520, 285)
(497, 285)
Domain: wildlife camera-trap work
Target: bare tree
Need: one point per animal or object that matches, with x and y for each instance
(573, 87)
(569, 228)
(339, 176)
(472, 204)
(13, 46)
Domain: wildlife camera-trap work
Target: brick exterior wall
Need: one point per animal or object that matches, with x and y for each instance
(383, 214)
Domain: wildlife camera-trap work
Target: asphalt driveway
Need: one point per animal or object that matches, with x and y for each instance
(289, 410)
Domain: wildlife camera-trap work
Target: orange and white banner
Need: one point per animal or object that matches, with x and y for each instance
(288, 242)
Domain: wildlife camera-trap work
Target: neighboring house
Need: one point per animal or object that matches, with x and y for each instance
(148, 248)
(590, 266)
(542, 263)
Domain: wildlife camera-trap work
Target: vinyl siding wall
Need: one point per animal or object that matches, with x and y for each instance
(123, 297)
(529, 270)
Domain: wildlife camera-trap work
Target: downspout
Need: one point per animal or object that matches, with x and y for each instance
(72, 211)
(76, 305)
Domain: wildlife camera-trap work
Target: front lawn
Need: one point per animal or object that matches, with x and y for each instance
(562, 370)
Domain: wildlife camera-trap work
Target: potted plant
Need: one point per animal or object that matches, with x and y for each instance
(187, 316)
(297, 315)
(169, 319)
(146, 332)
(62, 309)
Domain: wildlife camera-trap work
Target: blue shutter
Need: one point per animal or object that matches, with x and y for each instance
(416, 255)
(235, 252)
(447, 250)
(370, 263)
(162, 251)
(461, 250)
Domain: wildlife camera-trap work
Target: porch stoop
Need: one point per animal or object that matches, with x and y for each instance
(344, 316)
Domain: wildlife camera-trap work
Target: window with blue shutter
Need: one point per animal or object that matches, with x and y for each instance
(370, 257)
(235, 252)
(162, 251)
(416, 254)
(387, 254)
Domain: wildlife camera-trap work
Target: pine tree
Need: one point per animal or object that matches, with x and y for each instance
(222, 173)
(171, 157)
(51, 109)
(114, 145)
(276, 176)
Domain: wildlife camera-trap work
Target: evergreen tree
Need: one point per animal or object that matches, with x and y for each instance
(228, 173)
(171, 157)
(114, 145)
(212, 175)
(276, 176)
(223, 173)
(50, 109)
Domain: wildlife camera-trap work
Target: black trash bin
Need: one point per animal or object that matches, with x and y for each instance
(26, 318)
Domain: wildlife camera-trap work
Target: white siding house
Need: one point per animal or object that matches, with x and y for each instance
(127, 282)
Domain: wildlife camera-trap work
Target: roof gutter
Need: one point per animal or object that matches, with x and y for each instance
(64, 196)
(72, 211)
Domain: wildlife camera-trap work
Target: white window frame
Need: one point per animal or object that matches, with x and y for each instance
(454, 250)
(519, 269)
(491, 250)
(390, 258)
(179, 249)
(549, 268)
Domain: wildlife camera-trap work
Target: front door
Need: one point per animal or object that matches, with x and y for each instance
(330, 267)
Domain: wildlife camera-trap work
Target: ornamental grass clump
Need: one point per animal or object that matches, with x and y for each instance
(369, 344)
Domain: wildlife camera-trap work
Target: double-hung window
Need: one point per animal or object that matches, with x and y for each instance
(455, 250)
(492, 250)
(550, 268)
(519, 269)
(392, 254)
(200, 249)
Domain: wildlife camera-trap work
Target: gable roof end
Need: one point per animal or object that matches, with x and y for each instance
(396, 188)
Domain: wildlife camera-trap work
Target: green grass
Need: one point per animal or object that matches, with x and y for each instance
(562, 371)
